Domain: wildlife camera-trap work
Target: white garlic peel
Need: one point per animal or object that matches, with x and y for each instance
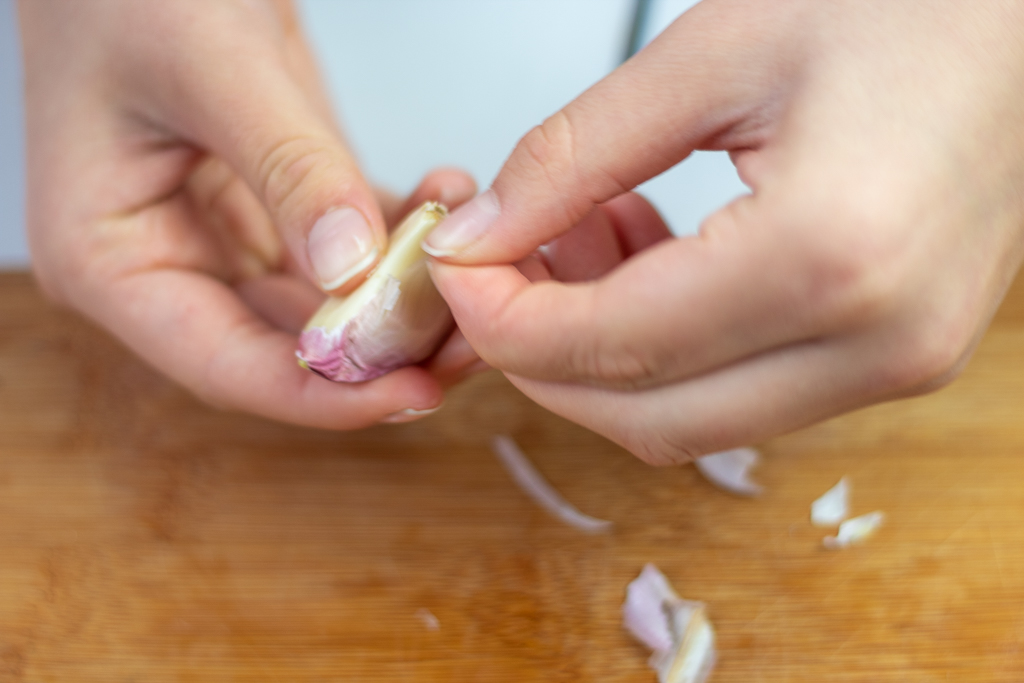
(833, 506)
(396, 318)
(855, 530)
(537, 487)
(730, 470)
(677, 630)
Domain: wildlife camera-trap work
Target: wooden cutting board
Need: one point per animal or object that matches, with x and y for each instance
(147, 538)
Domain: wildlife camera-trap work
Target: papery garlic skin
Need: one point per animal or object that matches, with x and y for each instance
(396, 318)
(537, 487)
(833, 506)
(677, 630)
(730, 470)
(855, 530)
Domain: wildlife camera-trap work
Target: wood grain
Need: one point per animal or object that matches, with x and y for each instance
(145, 537)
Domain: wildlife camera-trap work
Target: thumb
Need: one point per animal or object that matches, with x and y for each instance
(254, 100)
(693, 87)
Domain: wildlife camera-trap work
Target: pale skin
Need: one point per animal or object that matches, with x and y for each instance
(173, 201)
(179, 155)
(883, 144)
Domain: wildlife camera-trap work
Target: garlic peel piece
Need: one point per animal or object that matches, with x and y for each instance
(833, 506)
(677, 630)
(537, 487)
(730, 470)
(855, 530)
(643, 612)
(396, 318)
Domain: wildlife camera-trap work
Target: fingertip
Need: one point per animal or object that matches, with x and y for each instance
(448, 185)
(343, 248)
(464, 287)
(464, 227)
(411, 392)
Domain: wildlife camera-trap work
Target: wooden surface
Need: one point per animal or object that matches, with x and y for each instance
(147, 538)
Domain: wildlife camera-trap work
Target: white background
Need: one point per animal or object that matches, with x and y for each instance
(422, 83)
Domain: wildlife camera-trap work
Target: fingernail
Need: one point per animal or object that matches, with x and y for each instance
(408, 415)
(464, 226)
(340, 246)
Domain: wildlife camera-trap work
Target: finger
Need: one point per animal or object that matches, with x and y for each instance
(637, 224)
(229, 357)
(265, 123)
(230, 211)
(455, 361)
(748, 402)
(449, 186)
(586, 252)
(285, 302)
(699, 84)
(606, 236)
(759, 276)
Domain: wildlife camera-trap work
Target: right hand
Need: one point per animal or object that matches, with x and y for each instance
(189, 191)
(882, 141)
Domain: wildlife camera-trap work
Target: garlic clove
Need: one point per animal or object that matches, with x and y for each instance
(396, 318)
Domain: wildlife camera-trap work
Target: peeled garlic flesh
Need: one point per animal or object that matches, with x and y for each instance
(396, 318)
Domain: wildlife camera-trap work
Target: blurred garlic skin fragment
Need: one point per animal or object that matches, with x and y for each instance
(396, 318)
(833, 506)
(533, 484)
(730, 470)
(677, 630)
(855, 530)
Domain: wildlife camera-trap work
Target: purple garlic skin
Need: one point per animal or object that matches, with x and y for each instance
(396, 318)
(336, 357)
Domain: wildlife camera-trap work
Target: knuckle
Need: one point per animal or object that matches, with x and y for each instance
(659, 449)
(862, 262)
(929, 357)
(615, 364)
(287, 167)
(858, 260)
(550, 154)
(547, 152)
(607, 351)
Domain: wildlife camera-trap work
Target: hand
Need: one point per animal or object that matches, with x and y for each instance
(883, 142)
(186, 187)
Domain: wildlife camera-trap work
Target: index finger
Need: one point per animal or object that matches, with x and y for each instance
(697, 85)
(751, 281)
